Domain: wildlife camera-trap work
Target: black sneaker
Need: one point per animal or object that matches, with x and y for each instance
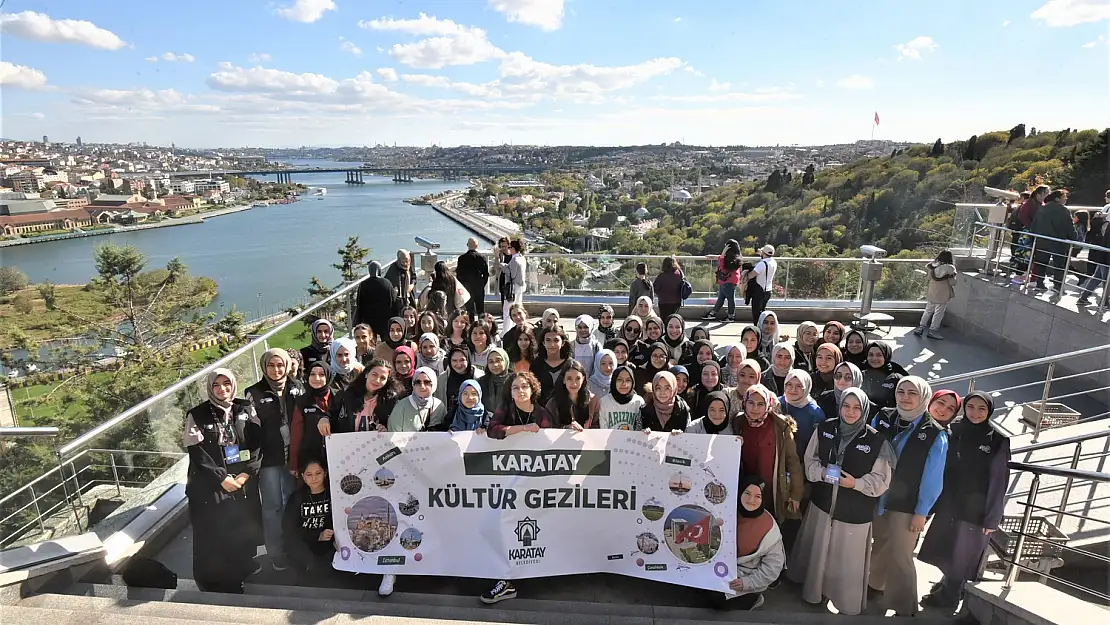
(502, 591)
(708, 316)
(758, 602)
(1083, 301)
(730, 319)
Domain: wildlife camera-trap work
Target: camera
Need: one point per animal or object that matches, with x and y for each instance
(870, 251)
(1001, 194)
(427, 243)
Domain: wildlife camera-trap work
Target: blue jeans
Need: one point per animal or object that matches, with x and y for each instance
(275, 484)
(1096, 279)
(726, 291)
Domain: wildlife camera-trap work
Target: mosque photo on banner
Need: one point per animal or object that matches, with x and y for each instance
(715, 492)
(692, 534)
(647, 543)
(372, 524)
(411, 538)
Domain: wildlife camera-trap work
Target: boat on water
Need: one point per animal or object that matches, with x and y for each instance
(320, 193)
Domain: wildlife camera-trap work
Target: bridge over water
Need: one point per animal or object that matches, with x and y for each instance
(400, 173)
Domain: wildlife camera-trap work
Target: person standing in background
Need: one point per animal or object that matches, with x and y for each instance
(376, 301)
(1052, 220)
(942, 288)
(640, 287)
(761, 280)
(513, 272)
(668, 287)
(729, 263)
(472, 271)
(402, 275)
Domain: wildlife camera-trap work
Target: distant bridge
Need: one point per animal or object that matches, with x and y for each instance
(355, 174)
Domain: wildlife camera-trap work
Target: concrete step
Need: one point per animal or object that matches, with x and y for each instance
(82, 615)
(293, 604)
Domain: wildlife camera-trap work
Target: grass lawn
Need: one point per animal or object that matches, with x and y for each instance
(41, 324)
(25, 406)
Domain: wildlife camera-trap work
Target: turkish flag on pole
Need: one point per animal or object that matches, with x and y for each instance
(698, 533)
(876, 118)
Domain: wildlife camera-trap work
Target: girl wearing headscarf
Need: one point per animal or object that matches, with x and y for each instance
(846, 375)
(421, 411)
(321, 333)
(700, 333)
(572, 405)
(305, 439)
(344, 366)
(664, 410)
(768, 325)
(730, 365)
(632, 331)
(395, 336)
(523, 350)
(605, 361)
(585, 346)
(404, 364)
(770, 451)
(459, 369)
(710, 382)
(972, 501)
(549, 319)
(223, 436)
(365, 405)
(747, 378)
(919, 436)
(760, 557)
(470, 415)
(493, 382)
(849, 466)
(881, 374)
(675, 338)
(827, 358)
(653, 329)
(620, 350)
(296, 364)
(273, 398)
(430, 356)
(782, 359)
(656, 362)
(752, 339)
(797, 402)
(606, 330)
(644, 307)
(480, 341)
(620, 409)
(700, 353)
(682, 381)
(855, 348)
(715, 420)
(832, 333)
(805, 346)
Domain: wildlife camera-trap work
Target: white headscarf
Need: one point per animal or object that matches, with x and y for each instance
(420, 402)
(926, 391)
(767, 341)
(807, 382)
(788, 348)
(347, 344)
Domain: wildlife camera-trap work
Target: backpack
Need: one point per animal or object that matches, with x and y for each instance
(685, 290)
(147, 573)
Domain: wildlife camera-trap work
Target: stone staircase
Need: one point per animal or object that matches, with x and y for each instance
(103, 604)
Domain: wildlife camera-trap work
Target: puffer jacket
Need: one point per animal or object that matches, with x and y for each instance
(760, 569)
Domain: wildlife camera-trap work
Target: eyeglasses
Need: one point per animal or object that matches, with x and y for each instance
(421, 383)
(843, 376)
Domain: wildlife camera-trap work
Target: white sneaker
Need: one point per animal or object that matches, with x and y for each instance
(386, 587)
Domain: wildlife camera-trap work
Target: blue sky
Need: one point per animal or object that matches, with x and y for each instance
(358, 72)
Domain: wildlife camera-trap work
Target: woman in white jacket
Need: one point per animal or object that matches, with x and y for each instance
(760, 557)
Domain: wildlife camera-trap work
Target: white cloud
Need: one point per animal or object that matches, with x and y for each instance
(442, 82)
(820, 84)
(1072, 12)
(1006, 23)
(425, 25)
(259, 57)
(762, 95)
(677, 20)
(855, 81)
(151, 59)
(437, 52)
(914, 48)
(306, 11)
(1097, 41)
(388, 74)
(263, 80)
(349, 46)
(690, 69)
(42, 27)
(21, 76)
(719, 86)
(520, 74)
(547, 14)
(170, 57)
(38, 115)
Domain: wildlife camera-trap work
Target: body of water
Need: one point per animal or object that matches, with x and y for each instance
(263, 258)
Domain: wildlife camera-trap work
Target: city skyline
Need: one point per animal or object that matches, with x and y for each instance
(325, 73)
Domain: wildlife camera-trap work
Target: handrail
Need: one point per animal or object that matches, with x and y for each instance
(1071, 242)
(1036, 362)
(1071, 440)
(1079, 474)
(788, 259)
(21, 432)
(131, 412)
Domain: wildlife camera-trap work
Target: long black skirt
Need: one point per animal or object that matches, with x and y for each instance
(226, 535)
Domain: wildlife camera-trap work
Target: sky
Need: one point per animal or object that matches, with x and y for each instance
(287, 73)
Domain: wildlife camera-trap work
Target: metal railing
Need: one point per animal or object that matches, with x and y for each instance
(1042, 405)
(1014, 558)
(1019, 257)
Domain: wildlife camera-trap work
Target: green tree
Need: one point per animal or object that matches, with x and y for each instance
(48, 295)
(11, 280)
(1088, 178)
(352, 258)
(23, 304)
(232, 328)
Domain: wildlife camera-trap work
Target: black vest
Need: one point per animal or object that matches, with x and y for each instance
(967, 474)
(859, 459)
(906, 483)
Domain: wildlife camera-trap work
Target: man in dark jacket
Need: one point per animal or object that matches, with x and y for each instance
(1052, 220)
(1098, 262)
(472, 271)
(402, 275)
(375, 302)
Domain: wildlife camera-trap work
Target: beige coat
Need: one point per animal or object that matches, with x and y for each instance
(940, 291)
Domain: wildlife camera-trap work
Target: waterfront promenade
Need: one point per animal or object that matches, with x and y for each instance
(485, 226)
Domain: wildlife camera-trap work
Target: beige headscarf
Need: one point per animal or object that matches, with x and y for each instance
(277, 386)
(227, 373)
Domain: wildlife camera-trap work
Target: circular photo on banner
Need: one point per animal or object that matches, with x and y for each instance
(647, 543)
(409, 506)
(372, 524)
(715, 493)
(384, 478)
(652, 509)
(411, 538)
(691, 534)
(350, 484)
(680, 484)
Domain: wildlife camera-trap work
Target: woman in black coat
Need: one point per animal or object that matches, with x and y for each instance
(223, 437)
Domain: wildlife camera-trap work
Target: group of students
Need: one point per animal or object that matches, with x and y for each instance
(845, 456)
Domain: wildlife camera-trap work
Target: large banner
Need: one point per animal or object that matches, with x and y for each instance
(555, 502)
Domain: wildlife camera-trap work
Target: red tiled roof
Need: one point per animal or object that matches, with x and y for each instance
(39, 218)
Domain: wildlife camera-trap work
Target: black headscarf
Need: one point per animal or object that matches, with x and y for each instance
(971, 435)
(622, 398)
(400, 322)
(611, 346)
(888, 356)
(859, 360)
(695, 368)
(681, 337)
(610, 332)
(317, 393)
(649, 369)
(710, 427)
(454, 378)
(751, 480)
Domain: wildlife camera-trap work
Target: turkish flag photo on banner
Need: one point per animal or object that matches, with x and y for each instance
(698, 533)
